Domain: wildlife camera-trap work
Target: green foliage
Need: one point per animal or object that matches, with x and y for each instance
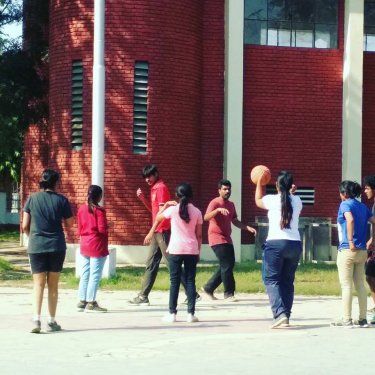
(9, 236)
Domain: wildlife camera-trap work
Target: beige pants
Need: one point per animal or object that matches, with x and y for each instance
(351, 267)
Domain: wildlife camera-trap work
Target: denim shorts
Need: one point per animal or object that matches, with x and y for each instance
(47, 262)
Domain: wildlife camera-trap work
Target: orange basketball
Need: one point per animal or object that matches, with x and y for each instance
(262, 172)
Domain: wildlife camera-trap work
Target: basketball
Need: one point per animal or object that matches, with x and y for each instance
(262, 172)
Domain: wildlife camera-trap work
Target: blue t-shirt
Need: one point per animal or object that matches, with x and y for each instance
(361, 215)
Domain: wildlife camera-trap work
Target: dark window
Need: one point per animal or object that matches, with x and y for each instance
(140, 107)
(369, 26)
(291, 23)
(77, 105)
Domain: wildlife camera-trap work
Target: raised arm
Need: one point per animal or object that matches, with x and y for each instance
(259, 195)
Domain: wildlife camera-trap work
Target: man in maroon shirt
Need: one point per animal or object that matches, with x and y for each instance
(221, 214)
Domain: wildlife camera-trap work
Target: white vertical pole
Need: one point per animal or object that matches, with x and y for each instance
(98, 95)
(352, 91)
(233, 107)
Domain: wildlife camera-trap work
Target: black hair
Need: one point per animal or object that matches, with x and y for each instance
(224, 182)
(184, 192)
(351, 188)
(49, 179)
(149, 170)
(94, 195)
(284, 183)
(369, 181)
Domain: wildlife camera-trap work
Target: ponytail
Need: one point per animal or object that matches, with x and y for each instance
(94, 195)
(184, 192)
(284, 184)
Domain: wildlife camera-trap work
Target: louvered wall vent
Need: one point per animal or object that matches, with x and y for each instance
(307, 194)
(77, 105)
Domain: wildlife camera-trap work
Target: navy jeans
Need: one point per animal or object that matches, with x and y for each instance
(175, 269)
(280, 261)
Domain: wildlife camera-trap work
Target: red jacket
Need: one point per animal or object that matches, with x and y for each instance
(93, 231)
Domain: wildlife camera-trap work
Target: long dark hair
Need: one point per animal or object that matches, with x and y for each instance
(284, 184)
(49, 179)
(351, 188)
(184, 192)
(94, 195)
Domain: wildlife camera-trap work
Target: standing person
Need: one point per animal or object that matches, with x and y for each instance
(93, 232)
(352, 221)
(221, 214)
(159, 194)
(43, 215)
(183, 249)
(369, 183)
(283, 247)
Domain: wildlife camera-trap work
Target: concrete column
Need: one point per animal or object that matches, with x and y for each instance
(352, 91)
(233, 107)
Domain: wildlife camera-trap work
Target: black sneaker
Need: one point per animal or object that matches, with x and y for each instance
(197, 299)
(36, 326)
(140, 300)
(81, 306)
(53, 327)
(362, 323)
(94, 307)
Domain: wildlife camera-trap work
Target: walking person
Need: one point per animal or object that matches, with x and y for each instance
(352, 221)
(183, 249)
(369, 184)
(221, 214)
(159, 195)
(93, 233)
(283, 247)
(43, 215)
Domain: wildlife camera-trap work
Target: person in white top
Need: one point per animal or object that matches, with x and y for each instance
(283, 247)
(183, 249)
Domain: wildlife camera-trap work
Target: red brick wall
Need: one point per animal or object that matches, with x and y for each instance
(368, 130)
(293, 120)
(168, 36)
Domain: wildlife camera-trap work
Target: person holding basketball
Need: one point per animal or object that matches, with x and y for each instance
(221, 214)
(283, 247)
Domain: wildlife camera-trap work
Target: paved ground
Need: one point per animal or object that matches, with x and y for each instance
(229, 339)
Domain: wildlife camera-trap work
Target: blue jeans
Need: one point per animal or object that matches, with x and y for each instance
(175, 269)
(280, 261)
(92, 269)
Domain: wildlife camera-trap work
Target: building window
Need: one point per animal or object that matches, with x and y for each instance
(369, 26)
(291, 23)
(77, 105)
(140, 101)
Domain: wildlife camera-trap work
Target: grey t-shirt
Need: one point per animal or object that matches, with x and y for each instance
(47, 210)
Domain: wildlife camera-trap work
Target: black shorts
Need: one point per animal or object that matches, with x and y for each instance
(47, 262)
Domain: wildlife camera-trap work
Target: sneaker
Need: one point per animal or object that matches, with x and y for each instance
(361, 323)
(208, 294)
(53, 327)
(192, 318)
(169, 318)
(342, 323)
(197, 299)
(286, 324)
(36, 326)
(279, 321)
(231, 299)
(140, 300)
(94, 307)
(81, 306)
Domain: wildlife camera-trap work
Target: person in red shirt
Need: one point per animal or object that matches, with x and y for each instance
(159, 195)
(221, 214)
(93, 232)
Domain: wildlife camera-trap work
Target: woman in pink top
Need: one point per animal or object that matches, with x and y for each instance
(93, 232)
(183, 249)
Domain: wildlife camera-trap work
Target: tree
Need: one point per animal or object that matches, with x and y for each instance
(22, 90)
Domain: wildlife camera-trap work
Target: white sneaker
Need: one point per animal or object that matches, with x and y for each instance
(192, 318)
(169, 318)
(231, 299)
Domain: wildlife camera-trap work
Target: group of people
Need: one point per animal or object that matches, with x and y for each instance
(176, 235)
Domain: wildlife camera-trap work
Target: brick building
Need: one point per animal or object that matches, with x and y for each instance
(206, 89)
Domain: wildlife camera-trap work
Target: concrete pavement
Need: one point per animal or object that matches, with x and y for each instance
(231, 338)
